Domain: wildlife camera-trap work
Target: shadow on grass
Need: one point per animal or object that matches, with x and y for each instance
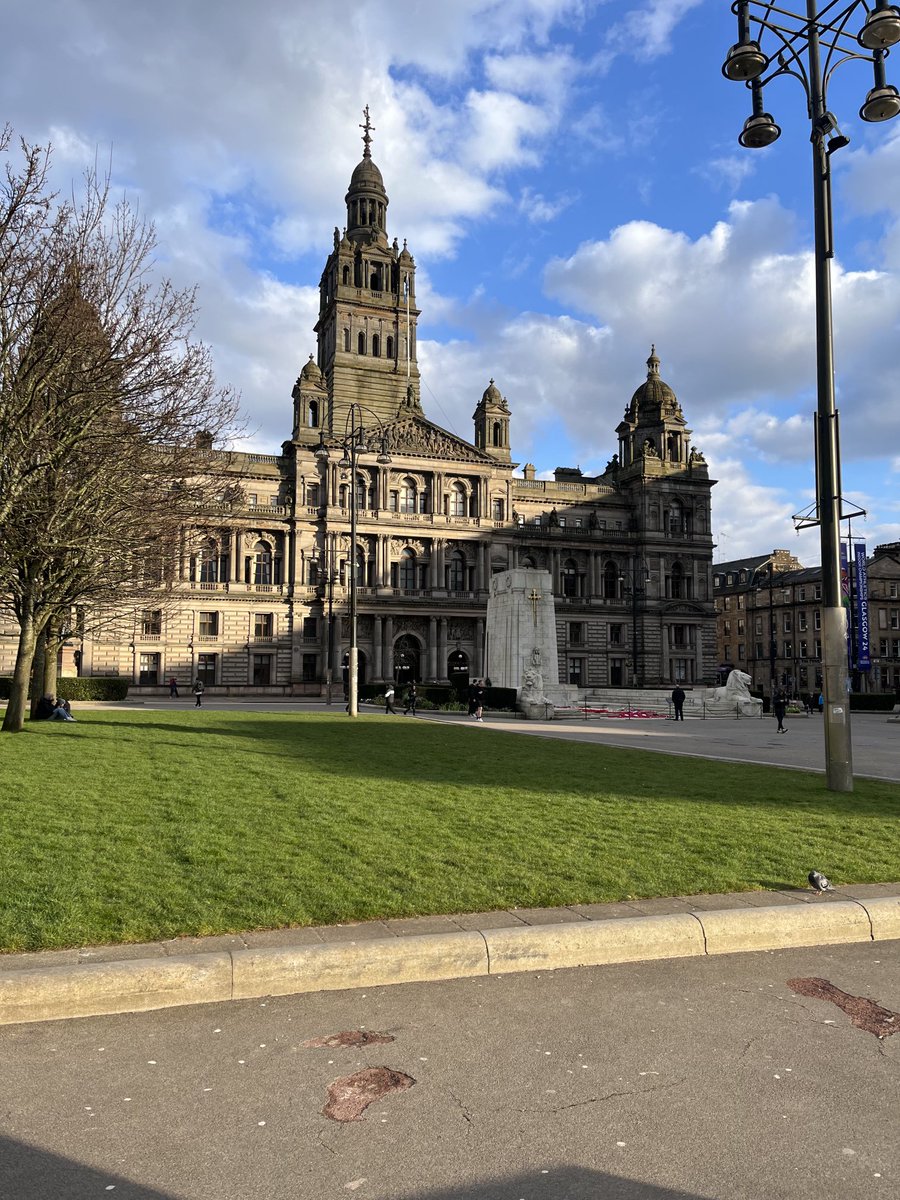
(405, 752)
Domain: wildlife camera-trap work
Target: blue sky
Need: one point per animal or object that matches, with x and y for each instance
(568, 176)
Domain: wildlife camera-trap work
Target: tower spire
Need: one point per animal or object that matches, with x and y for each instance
(367, 138)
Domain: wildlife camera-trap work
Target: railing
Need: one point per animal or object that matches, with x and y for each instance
(203, 586)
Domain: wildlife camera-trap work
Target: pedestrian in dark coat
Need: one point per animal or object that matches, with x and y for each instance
(779, 708)
(678, 702)
(173, 688)
(411, 698)
(198, 693)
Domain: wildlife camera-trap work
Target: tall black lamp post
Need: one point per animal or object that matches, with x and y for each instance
(841, 32)
(352, 444)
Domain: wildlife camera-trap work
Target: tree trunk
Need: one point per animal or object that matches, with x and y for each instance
(14, 721)
(50, 670)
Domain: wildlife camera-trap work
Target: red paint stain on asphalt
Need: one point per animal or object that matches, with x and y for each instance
(349, 1097)
(350, 1037)
(863, 1013)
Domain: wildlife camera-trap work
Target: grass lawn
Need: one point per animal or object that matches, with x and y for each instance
(134, 826)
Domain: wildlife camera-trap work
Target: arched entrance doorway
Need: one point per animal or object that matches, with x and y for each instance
(406, 661)
(458, 670)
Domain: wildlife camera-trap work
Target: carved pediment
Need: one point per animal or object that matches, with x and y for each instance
(414, 435)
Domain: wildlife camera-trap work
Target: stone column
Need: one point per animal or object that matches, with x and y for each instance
(432, 648)
(379, 650)
(388, 664)
(479, 567)
(479, 647)
(442, 649)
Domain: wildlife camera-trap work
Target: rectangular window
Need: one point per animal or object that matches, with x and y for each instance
(616, 633)
(728, 604)
(817, 649)
(252, 499)
(264, 626)
(882, 648)
(892, 591)
(273, 500)
(741, 654)
(576, 633)
(817, 592)
(206, 668)
(786, 623)
(310, 627)
(758, 627)
(726, 628)
(578, 522)
(801, 593)
(817, 619)
(740, 602)
(309, 668)
(759, 650)
(562, 522)
(882, 618)
(149, 669)
(151, 622)
(788, 650)
(801, 622)
(895, 648)
(208, 624)
(497, 509)
(895, 618)
(804, 649)
(262, 670)
(576, 671)
(312, 495)
(740, 627)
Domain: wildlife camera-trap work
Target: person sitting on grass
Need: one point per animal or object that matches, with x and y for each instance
(44, 710)
(62, 710)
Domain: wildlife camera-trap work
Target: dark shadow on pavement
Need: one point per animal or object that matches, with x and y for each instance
(27, 1173)
(566, 1183)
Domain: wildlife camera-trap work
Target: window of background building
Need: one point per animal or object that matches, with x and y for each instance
(741, 649)
(310, 627)
(497, 507)
(206, 668)
(148, 668)
(151, 622)
(576, 671)
(208, 623)
(309, 668)
(759, 650)
(817, 619)
(262, 670)
(576, 633)
(616, 635)
(788, 650)
(786, 622)
(801, 622)
(263, 626)
(740, 602)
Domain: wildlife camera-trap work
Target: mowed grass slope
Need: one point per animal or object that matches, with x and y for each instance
(133, 826)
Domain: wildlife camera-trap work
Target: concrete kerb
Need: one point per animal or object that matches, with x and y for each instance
(139, 985)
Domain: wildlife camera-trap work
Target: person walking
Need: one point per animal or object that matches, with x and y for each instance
(478, 700)
(411, 698)
(389, 700)
(678, 702)
(198, 693)
(779, 708)
(173, 688)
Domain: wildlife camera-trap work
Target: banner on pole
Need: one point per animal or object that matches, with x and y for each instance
(845, 601)
(863, 653)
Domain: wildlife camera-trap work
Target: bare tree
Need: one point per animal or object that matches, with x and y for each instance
(108, 408)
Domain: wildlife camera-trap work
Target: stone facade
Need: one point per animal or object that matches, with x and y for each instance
(260, 598)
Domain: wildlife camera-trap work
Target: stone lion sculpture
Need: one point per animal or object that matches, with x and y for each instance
(736, 692)
(532, 691)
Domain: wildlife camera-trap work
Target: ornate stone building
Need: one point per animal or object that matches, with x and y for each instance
(260, 601)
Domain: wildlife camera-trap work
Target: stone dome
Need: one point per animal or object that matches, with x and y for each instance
(654, 393)
(366, 177)
(492, 394)
(311, 372)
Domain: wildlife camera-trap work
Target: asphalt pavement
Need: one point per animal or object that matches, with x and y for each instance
(692, 1079)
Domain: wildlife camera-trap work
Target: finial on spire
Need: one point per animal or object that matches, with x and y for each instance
(367, 130)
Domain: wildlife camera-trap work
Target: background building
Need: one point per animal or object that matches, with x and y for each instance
(768, 621)
(259, 600)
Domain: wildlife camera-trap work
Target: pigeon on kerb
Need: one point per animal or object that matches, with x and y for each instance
(819, 883)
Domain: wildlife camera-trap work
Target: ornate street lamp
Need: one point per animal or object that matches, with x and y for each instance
(801, 40)
(354, 443)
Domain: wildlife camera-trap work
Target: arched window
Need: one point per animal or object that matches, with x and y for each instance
(407, 572)
(457, 500)
(312, 414)
(569, 578)
(390, 347)
(610, 581)
(347, 340)
(674, 445)
(679, 584)
(498, 434)
(345, 276)
(376, 346)
(456, 573)
(262, 563)
(365, 495)
(407, 498)
(360, 343)
(208, 561)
